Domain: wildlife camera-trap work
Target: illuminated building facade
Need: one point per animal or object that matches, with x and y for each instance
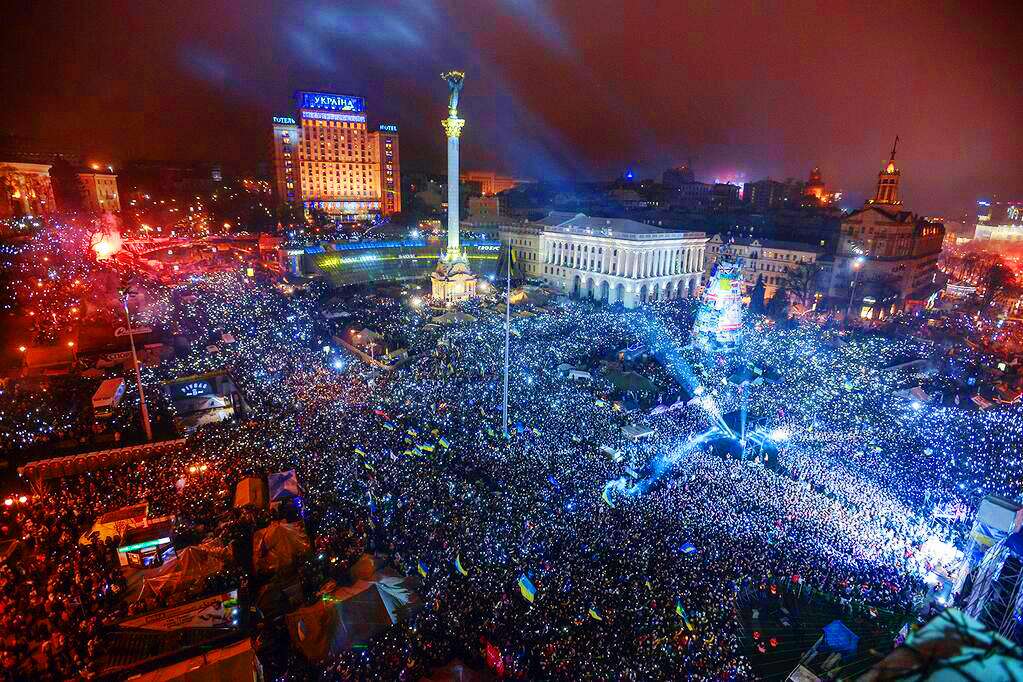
(816, 192)
(345, 263)
(524, 241)
(99, 191)
(25, 189)
(489, 183)
(286, 139)
(999, 221)
(619, 261)
(385, 139)
(887, 257)
(326, 159)
(769, 260)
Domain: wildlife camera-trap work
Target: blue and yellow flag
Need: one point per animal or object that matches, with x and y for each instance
(607, 498)
(458, 565)
(682, 613)
(427, 447)
(389, 426)
(594, 613)
(527, 588)
(360, 452)
(688, 548)
(444, 443)
(423, 570)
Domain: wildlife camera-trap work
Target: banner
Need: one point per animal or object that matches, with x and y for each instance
(220, 610)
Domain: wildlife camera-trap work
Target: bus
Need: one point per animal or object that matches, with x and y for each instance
(107, 397)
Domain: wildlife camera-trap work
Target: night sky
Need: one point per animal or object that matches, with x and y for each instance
(554, 90)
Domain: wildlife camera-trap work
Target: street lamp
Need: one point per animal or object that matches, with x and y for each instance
(856, 265)
(138, 375)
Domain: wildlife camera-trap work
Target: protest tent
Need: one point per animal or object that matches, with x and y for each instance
(187, 572)
(279, 546)
(352, 615)
(251, 492)
(284, 484)
(840, 639)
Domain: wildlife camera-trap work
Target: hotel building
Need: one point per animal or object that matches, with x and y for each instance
(327, 159)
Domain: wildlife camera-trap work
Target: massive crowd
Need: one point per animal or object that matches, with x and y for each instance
(412, 464)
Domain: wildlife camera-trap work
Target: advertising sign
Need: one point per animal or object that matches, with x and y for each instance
(220, 610)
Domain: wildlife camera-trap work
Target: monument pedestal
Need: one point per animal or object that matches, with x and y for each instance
(453, 280)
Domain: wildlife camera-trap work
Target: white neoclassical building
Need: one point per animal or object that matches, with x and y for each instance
(619, 261)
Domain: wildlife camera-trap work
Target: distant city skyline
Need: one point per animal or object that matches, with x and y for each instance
(561, 91)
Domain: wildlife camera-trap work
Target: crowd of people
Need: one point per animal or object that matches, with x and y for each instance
(530, 562)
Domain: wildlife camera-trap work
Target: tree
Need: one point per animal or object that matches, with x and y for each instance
(756, 296)
(802, 281)
(778, 306)
(68, 191)
(998, 279)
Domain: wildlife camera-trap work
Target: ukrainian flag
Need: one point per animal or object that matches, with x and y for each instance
(360, 452)
(389, 426)
(594, 614)
(682, 614)
(458, 565)
(688, 548)
(606, 497)
(412, 432)
(427, 447)
(444, 443)
(423, 570)
(527, 588)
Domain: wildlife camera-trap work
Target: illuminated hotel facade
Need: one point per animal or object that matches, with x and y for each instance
(327, 159)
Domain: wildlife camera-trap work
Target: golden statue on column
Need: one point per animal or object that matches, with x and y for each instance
(453, 280)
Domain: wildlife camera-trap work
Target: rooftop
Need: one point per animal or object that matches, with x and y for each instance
(618, 228)
(778, 244)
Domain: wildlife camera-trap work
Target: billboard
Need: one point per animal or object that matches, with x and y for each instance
(327, 101)
(219, 610)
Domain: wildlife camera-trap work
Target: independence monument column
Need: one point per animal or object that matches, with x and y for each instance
(453, 280)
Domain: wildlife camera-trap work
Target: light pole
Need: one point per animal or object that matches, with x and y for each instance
(507, 341)
(856, 264)
(138, 375)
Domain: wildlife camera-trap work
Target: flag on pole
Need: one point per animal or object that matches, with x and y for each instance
(527, 588)
(458, 565)
(682, 614)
